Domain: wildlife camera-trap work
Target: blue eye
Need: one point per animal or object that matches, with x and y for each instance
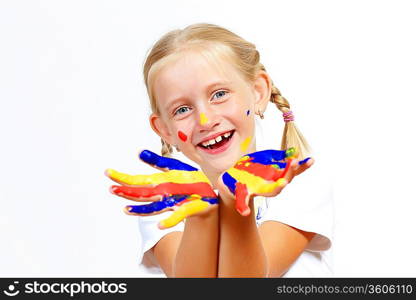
(181, 110)
(224, 92)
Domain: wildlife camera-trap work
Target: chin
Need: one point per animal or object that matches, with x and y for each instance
(220, 166)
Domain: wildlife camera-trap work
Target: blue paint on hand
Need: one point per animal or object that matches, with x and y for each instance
(267, 157)
(166, 202)
(304, 161)
(229, 181)
(164, 162)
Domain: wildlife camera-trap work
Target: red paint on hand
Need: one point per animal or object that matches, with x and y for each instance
(267, 172)
(241, 194)
(201, 188)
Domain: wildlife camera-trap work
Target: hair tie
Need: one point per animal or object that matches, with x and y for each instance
(288, 116)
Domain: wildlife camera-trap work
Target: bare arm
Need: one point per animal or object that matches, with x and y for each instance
(193, 253)
(248, 251)
(283, 244)
(241, 252)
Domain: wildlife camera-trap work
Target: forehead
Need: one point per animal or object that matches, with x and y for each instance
(190, 73)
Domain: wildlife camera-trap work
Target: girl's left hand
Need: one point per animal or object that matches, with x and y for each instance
(262, 173)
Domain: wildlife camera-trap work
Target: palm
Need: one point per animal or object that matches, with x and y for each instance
(180, 187)
(262, 173)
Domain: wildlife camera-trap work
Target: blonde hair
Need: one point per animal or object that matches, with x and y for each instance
(213, 41)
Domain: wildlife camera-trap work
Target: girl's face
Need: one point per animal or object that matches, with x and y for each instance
(207, 113)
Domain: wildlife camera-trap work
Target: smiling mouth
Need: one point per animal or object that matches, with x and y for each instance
(218, 142)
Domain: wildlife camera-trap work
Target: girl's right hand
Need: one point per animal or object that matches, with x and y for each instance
(262, 173)
(180, 187)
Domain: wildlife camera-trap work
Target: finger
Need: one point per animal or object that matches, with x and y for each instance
(306, 165)
(125, 192)
(267, 157)
(185, 210)
(157, 178)
(305, 161)
(201, 188)
(290, 169)
(112, 174)
(290, 164)
(242, 199)
(164, 163)
(156, 207)
(129, 180)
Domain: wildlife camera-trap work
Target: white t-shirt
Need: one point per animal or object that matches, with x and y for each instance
(306, 204)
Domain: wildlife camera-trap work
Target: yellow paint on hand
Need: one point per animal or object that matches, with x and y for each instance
(203, 119)
(173, 176)
(244, 145)
(185, 210)
(255, 184)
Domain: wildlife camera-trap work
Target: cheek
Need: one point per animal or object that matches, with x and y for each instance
(183, 132)
(241, 114)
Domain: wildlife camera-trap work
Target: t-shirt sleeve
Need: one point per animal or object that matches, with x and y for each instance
(306, 204)
(150, 234)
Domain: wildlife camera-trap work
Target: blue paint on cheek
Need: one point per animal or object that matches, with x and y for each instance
(248, 112)
(229, 181)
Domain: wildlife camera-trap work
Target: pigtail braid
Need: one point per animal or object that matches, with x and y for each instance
(292, 137)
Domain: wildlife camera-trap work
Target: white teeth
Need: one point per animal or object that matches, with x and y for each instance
(208, 143)
(211, 142)
(216, 140)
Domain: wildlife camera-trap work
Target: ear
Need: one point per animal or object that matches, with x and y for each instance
(160, 127)
(262, 91)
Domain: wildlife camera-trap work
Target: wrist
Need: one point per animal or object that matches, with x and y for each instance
(226, 200)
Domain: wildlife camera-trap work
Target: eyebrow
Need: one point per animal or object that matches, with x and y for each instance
(207, 88)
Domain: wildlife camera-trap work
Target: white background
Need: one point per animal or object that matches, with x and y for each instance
(73, 103)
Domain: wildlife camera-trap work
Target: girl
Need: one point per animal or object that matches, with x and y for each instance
(205, 85)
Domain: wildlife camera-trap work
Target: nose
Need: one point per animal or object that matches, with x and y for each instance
(208, 119)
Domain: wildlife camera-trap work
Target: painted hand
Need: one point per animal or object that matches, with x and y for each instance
(262, 173)
(180, 187)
